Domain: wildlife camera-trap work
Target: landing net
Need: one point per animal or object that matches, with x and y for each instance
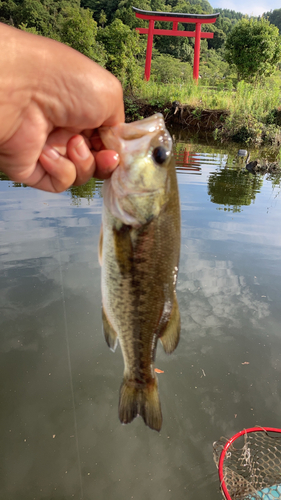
(249, 464)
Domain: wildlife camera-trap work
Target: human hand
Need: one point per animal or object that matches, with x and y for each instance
(72, 160)
(52, 100)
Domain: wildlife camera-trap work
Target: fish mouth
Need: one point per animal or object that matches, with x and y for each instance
(125, 137)
(139, 174)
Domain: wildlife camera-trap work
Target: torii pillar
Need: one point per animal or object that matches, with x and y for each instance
(175, 18)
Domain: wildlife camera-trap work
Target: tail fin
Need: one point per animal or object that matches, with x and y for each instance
(135, 400)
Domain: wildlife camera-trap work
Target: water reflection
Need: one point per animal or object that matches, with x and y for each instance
(60, 434)
(187, 160)
(233, 188)
(91, 190)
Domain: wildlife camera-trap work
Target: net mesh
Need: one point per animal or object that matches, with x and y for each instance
(252, 466)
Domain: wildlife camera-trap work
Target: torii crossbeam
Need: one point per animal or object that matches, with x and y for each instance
(175, 18)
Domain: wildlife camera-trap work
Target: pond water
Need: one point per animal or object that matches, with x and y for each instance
(60, 434)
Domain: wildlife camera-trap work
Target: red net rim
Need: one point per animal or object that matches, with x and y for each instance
(228, 444)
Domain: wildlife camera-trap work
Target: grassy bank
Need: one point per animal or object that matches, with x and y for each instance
(246, 114)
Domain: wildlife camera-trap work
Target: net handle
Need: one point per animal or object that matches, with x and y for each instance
(229, 443)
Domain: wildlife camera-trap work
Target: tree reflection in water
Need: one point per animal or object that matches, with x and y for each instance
(233, 188)
(91, 190)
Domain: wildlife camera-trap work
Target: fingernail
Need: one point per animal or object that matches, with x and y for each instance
(82, 150)
(50, 152)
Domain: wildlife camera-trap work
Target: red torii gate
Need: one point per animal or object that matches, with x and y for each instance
(175, 18)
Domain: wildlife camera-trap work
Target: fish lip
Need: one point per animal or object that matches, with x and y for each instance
(138, 129)
(126, 137)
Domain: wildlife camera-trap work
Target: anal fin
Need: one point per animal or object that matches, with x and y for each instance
(171, 335)
(109, 333)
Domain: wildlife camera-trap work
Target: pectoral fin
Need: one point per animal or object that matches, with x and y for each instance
(100, 246)
(171, 335)
(109, 333)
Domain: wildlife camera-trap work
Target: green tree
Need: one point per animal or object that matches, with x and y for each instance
(204, 5)
(38, 18)
(7, 11)
(219, 37)
(96, 6)
(79, 30)
(274, 17)
(167, 69)
(254, 47)
(128, 16)
(214, 68)
(179, 47)
(60, 20)
(175, 46)
(229, 14)
(122, 46)
(103, 18)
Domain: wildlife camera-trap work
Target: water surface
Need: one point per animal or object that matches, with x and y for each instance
(60, 434)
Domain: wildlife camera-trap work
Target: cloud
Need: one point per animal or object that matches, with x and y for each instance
(213, 297)
(251, 8)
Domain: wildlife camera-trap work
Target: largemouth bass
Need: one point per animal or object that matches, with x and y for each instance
(139, 255)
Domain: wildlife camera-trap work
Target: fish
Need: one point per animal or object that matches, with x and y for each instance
(139, 253)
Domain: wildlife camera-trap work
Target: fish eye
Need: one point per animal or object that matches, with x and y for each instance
(160, 155)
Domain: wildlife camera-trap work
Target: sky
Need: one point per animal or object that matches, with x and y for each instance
(250, 7)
